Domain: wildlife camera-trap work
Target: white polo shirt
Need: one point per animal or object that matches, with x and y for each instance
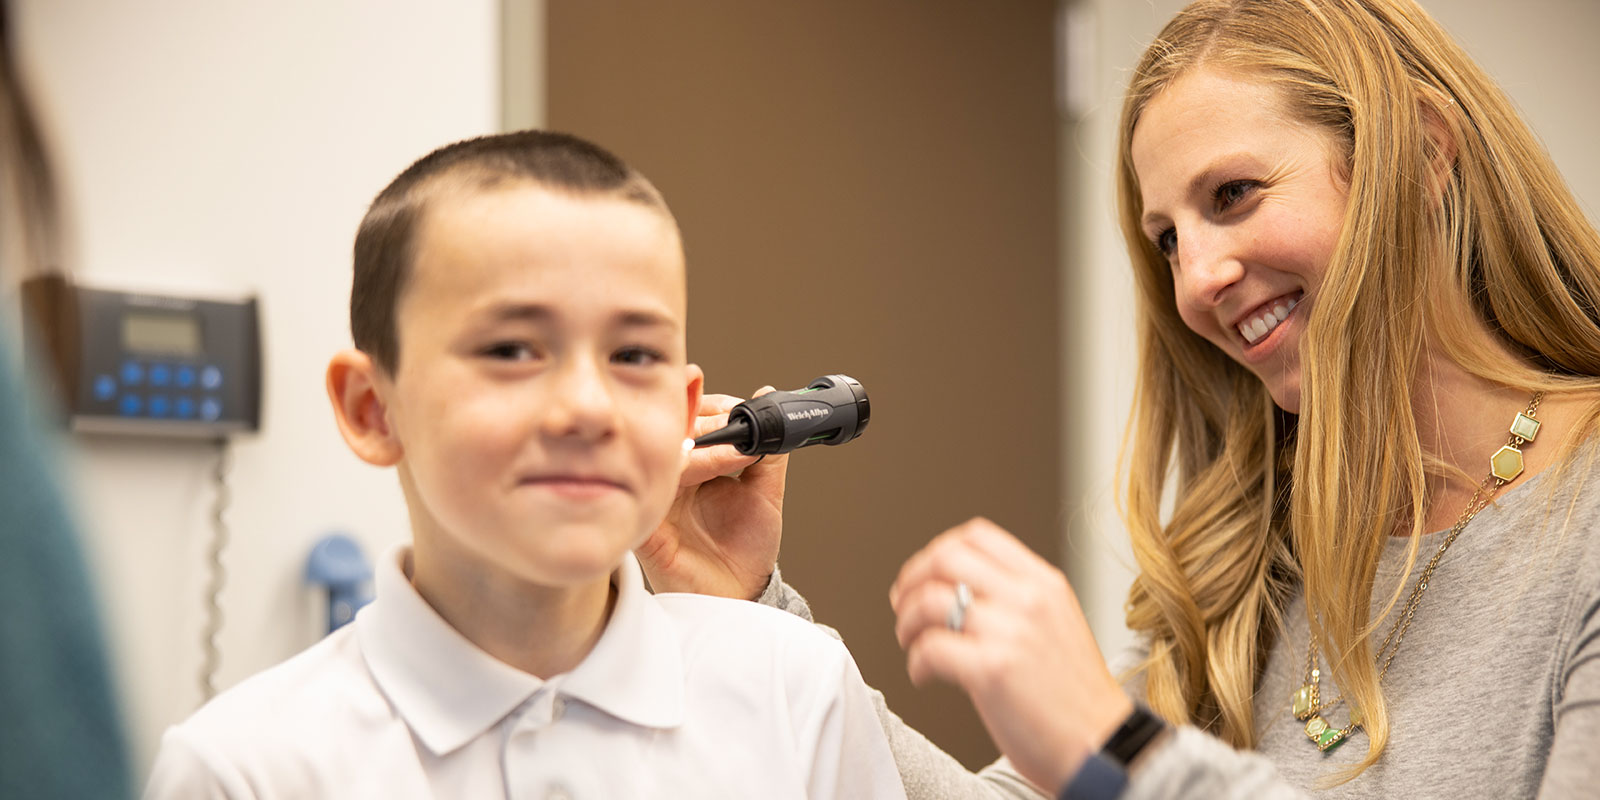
(683, 696)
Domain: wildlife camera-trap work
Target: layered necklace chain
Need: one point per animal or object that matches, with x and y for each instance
(1504, 466)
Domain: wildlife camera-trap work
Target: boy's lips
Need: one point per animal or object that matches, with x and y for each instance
(575, 485)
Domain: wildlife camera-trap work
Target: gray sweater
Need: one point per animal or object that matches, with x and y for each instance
(1495, 692)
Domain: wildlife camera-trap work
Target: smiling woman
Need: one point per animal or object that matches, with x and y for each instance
(1246, 204)
(1368, 331)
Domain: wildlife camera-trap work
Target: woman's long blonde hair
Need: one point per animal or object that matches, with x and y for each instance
(1263, 501)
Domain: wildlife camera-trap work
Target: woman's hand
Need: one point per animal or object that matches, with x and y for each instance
(1024, 653)
(722, 533)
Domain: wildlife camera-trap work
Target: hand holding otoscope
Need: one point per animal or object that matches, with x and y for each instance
(722, 534)
(831, 410)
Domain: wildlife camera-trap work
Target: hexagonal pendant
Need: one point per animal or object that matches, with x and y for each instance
(1506, 463)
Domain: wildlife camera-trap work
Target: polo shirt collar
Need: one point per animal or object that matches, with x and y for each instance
(450, 692)
(635, 672)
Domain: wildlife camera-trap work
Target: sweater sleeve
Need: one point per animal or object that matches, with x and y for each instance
(1573, 770)
(1189, 764)
(928, 772)
(1195, 764)
(1192, 763)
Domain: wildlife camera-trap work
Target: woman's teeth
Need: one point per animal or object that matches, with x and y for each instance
(1256, 328)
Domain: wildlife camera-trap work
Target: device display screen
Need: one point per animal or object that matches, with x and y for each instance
(161, 334)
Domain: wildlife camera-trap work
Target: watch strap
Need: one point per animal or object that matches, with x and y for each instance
(1131, 737)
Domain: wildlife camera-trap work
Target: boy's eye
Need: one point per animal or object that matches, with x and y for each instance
(509, 351)
(637, 356)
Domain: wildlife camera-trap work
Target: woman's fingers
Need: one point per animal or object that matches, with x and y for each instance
(706, 463)
(1003, 548)
(925, 609)
(712, 405)
(956, 557)
(943, 655)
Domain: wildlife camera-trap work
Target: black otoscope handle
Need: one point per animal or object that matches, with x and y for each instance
(832, 410)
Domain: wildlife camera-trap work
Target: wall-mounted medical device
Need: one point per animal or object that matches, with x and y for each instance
(147, 363)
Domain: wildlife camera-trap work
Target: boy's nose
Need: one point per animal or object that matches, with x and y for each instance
(583, 405)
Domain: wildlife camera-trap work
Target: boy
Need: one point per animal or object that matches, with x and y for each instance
(518, 311)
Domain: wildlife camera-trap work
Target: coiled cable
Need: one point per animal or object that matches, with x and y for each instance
(211, 657)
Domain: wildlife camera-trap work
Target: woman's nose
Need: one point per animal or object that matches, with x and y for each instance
(1206, 268)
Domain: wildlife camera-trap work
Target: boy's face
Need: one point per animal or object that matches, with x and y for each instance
(542, 395)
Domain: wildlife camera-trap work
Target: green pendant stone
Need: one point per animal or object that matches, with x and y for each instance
(1302, 702)
(1525, 427)
(1330, 738)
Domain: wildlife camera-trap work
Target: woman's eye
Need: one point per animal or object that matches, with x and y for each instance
(1231, 192)
(1167, 242)
(637, 356)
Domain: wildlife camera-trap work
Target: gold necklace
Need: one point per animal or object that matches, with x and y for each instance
(1504, 466)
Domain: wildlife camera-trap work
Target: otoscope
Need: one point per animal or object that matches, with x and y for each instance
(832, 410)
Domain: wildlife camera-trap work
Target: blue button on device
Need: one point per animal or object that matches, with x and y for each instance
(130, 405)
(132, 373)
(160, 406)
(210, 409)
(183, 408)
(210, 378)
(184, 377)
(160, 375)
(105, 387)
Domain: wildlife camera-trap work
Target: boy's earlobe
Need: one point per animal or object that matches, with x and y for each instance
(360, 410)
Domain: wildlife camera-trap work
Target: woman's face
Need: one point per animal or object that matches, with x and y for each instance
(1245, 203)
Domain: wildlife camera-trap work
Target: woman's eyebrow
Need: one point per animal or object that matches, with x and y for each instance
(1200, 184)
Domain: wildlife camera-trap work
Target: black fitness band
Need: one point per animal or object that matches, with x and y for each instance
(1105, 775)
(1132, 735)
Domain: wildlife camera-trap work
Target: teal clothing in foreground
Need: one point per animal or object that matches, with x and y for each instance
(61, 736)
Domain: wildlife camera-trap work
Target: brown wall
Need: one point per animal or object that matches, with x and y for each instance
(867, 188)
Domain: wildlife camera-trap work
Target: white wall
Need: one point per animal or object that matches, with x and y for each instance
(236, 145)
(1540, 51)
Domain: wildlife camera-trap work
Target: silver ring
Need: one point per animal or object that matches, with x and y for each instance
(956, 619)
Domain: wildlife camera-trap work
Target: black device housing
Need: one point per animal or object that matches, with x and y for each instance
(831, 410)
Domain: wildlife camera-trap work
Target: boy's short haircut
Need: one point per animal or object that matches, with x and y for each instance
(386, 241)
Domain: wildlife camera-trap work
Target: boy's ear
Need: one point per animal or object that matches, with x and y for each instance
(360, 409)
(696, 386)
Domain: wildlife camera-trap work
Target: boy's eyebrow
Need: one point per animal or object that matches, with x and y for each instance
(646, 319)
(531, 312)
(538, 312)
